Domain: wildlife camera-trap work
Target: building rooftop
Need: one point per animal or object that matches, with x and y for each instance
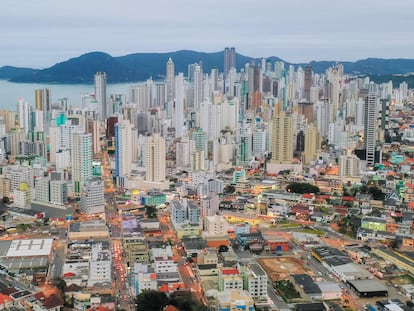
(88, 226)
(310, 307)
(190, 244)
(306, 282)
(26, 248)
(328, 287)
(368, 285)
(257, 270)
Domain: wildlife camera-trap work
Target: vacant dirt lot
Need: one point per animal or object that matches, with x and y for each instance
(279, 268)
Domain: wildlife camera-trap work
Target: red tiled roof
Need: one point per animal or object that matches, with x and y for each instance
(170, 308)
(164, 288)
(69, 275)
(4, 299)
(50, 302)
(229, 271)
(307, 196)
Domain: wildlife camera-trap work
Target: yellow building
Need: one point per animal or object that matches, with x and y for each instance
(282, 138)
(312, 143)
(136, 250)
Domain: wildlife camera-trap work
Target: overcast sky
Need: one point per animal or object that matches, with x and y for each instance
(40, 33)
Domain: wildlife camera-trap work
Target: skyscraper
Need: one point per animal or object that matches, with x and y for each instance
(229, 60)
(334, 93)
(92, 126)
(92, 198)
(307, 83)
(349, 165)
(81, 160)
(170, 77)
(100, 94)
(370, 124)
(43, 104)
(198, 87)
(123, 150)
(179, 106)
(312, 143)
(155, 158)
(23, 111)
(282, 138)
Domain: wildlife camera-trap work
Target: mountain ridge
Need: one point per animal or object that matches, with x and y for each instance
(137, 67)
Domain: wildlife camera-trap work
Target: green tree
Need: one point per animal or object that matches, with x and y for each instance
(229, 189)
(396, 243)
(297, 187)
(150, 211)
(151, 300)
(377, 193)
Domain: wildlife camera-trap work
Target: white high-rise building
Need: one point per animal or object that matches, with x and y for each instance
(63, 160)
(216, 225)
(209, 205)
(123, 149)
(99, 265)
(42, 190)
(15, 137)
(258, 143)
(81, 160)
(22, 196)
(371, 103)
(100, 94)
(334, 79)
(142, 95)
(92, 197)
(23, 110)
(349, 166)
(183, 152)
(64, 135)
(170, 79)
(322, 117)
(210, 119)
(18, 174)
(198, 87)
(155, 158)
(179, 105)
(229, 114)
(58, 192)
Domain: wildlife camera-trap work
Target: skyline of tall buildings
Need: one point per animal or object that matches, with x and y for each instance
(206, 122)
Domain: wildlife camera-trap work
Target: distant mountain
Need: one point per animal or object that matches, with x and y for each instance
(81, 70)
(154, 64)
(140, 66)
(8, 72)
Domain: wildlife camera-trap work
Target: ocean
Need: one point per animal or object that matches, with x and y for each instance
(11, 92)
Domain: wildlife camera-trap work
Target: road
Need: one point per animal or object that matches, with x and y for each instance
(277, 300)
(185, 269)
(121, 287)
(58, 260)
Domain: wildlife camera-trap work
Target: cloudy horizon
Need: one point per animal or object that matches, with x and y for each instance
(40, 34)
